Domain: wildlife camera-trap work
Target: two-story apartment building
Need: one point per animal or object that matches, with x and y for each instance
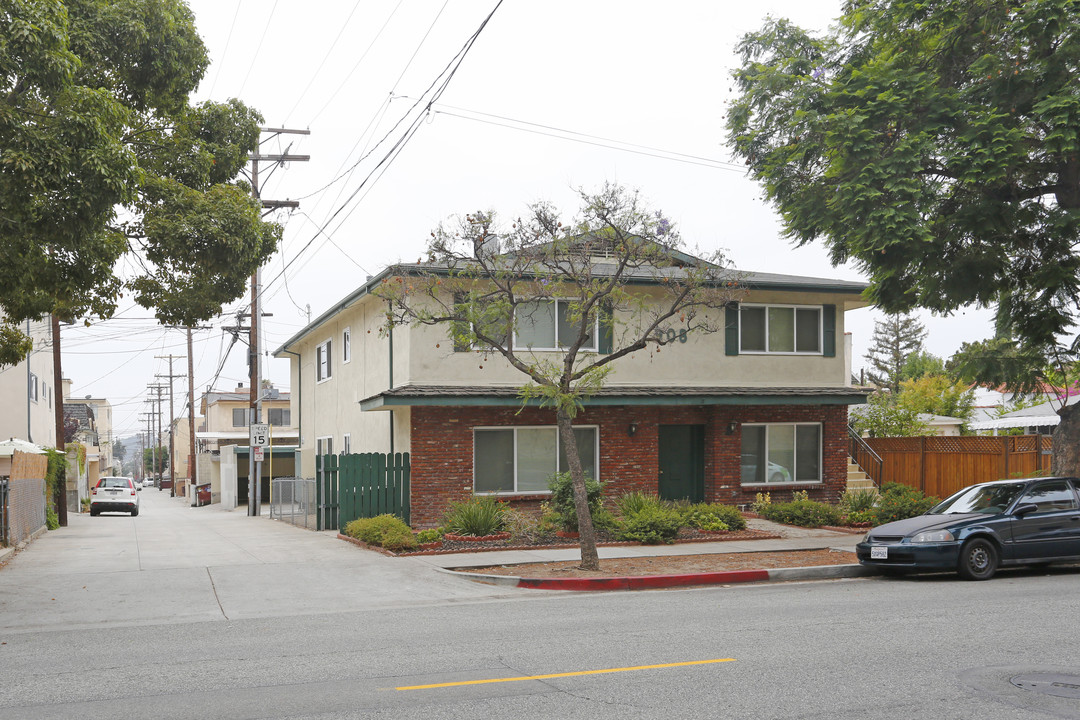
(760, 406)
(27, 395)
(222, 443)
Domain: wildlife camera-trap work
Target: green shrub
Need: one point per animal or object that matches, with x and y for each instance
(562, 499)
(527, 527)
(858, 517)
(430, 535)
(762, 501)
(898, 501)
(633, 502)
(706, 516)
(804, 513)
(652, 525)
(52, 520)
(388, 531)
(479, 516)
(858, 500)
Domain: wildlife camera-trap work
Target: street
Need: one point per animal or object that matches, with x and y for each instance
(197, 613)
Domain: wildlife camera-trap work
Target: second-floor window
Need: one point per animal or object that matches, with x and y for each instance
(33, 389)
(323, 362)
(240, 417)
(547, 325)
(279, 417)
(346, 345)
(780, 329)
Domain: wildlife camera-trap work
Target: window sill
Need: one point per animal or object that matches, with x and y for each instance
(788, 483)
(515, 495)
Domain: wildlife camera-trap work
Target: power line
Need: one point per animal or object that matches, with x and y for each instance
(225, 50)
(334, 95)
(436, 89)
(258, 49)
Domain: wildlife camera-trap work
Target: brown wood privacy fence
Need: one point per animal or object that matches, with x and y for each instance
(940, 466)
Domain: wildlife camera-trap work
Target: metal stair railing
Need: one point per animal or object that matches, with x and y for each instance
(864, 456)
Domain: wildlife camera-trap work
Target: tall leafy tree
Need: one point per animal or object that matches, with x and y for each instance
(102, 158)
(935, 145)
(897, 339)
(617, 270)
(937, 395)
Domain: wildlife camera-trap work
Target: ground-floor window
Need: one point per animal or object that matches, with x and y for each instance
(781, 453)
(523, 459)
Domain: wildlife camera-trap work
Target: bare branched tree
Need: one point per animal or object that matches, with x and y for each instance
(610, 283)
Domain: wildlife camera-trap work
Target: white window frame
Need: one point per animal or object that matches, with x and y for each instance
(321, 440)
(346, 345)
(792, 481)
(594, 347)
(795, 328)
(247, 416)
(346, 443)
(33, 387)
(558, 445)
(324, 356)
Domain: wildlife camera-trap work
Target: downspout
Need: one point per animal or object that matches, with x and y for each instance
(391, 336)
(29, 435)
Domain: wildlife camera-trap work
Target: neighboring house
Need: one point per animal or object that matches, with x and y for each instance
(27, 393)
(942, 425)
(990, 401)
(103, 417)
(222, 443)
(761, 406)
(1038, 420)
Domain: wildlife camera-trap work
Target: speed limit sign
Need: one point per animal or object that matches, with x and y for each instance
(260, 435)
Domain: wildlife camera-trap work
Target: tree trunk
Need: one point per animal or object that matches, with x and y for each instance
(590, 560)
(1066, 457)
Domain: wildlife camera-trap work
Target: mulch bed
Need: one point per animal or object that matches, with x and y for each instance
(686, 535)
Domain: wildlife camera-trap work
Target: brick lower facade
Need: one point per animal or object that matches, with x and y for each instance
(442, 450)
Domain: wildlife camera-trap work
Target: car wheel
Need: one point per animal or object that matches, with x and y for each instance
(978, 560)
(94, 512)
(135, 511)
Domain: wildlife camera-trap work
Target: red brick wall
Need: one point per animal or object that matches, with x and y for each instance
(442, 449)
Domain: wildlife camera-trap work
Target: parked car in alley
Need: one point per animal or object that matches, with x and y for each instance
(1006, 522)
(115, 494)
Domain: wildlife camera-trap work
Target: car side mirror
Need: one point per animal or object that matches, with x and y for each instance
(1024, 508)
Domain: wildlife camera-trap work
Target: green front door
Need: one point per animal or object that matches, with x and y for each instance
(682, 462)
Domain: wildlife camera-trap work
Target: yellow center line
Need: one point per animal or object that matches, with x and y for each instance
(565, 674)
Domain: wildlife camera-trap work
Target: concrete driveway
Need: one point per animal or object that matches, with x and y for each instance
(177, 564)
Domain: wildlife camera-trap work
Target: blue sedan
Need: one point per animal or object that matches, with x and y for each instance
(982, 527)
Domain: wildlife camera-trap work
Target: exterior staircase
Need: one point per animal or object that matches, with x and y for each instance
(856, 478)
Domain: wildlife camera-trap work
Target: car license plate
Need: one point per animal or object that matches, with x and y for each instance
(879, 553)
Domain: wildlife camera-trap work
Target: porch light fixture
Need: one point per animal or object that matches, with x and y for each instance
(732, 427)
(632, 430)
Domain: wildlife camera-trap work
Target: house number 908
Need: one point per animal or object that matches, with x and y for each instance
(669, 335)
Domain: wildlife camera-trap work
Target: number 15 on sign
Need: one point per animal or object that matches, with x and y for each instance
(260, 435)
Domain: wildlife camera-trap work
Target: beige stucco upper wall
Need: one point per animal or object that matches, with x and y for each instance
(701, 360)
(23, 416)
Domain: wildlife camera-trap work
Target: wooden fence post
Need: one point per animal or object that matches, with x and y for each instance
(922, 464)
(1005, 454)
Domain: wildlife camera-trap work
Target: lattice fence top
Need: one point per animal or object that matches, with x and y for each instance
(961, 444)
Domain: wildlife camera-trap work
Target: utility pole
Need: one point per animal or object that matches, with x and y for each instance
(159, 388)
(172, 422)
(148, 418)
(255, 401)
(191, 422)
(58, 416)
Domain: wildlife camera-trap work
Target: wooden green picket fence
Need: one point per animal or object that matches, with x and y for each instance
(362, 485)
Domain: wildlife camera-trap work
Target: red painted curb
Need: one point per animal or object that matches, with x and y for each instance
(639, 582)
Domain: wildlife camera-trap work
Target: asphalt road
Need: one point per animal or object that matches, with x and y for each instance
(196, 613)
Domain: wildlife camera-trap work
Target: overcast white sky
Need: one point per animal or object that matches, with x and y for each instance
(544, 91)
